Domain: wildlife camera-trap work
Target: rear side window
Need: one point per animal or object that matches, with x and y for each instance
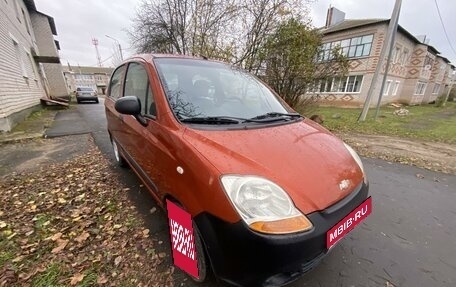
(137, 84)
(116, 82)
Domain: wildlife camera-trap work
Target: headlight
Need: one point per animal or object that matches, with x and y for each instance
(355, 157)
(264, 205)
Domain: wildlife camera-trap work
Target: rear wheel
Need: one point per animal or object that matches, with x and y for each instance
(97, 101)
(119, 159)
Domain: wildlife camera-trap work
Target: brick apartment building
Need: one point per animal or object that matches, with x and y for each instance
(417, 73)
(30, 67)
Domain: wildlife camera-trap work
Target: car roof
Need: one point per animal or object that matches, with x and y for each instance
(150, 56)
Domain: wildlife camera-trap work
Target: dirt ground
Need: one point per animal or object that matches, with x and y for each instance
(65, 220)
(430, 155)
(30, 154)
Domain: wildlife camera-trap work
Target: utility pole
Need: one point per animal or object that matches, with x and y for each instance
(392, 28)
(450, 86)
(388, 62)
(95, 43)
(118, 46)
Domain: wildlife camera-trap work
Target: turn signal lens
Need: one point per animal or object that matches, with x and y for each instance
(283, 226)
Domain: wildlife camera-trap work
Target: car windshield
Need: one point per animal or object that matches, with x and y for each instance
(201, 88)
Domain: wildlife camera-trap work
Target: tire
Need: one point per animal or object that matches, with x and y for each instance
(204, 269)
(78, 101)
(118, 157)
(97, 101)
(201, 257)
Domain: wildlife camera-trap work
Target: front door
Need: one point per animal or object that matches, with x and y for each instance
(141, 141)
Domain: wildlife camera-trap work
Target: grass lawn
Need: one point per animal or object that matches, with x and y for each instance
(426, 122)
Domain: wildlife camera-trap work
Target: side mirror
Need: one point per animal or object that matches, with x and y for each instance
(130, 105)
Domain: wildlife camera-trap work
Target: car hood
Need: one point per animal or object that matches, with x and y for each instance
(308, 162)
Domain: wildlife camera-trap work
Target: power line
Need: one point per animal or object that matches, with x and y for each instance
(105, 60)
(444, 29)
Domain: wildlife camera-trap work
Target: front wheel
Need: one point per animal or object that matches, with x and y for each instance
(201, 257)
(119, 159)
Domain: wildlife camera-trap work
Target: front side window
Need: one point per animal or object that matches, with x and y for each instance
(137, 84)
(116, 83)
(200, 88)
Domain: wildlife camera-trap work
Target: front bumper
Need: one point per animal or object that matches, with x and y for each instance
(243, 257)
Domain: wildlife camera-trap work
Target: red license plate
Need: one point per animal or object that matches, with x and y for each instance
(348, 223)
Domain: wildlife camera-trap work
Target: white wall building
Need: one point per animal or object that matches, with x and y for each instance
(29, 62)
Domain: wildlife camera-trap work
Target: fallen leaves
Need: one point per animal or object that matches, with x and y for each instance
(78, 277)
(61, 244)
(56, 236)
(83, 237)
(76, 216)
(117, 260)
(102, 279)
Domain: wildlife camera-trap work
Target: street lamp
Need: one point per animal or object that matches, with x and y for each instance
(118, 44)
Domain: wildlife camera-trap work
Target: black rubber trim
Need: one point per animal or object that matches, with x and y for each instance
(344, 201)
(243, 257)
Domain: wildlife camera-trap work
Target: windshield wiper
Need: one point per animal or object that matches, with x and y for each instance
(224, 120)
(276, 116)
(212, 120)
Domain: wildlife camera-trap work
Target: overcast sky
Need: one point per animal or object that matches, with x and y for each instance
(78, 21)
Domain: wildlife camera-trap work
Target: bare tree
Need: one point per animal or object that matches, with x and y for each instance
(233, 30)
(259, 19)
(192, 27)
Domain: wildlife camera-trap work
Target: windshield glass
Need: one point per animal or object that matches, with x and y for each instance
(200, 88)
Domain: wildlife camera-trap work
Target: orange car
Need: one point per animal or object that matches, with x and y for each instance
(269, 191)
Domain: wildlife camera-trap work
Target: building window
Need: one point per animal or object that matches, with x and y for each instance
(16, 10)
(351, 48)
(396, 55)
(405, 55)
(387, 87)
(20, 60)
(436, 89)
(396, 87)
(25, 21)
(420, 88)
(350, 84)
(29, 56)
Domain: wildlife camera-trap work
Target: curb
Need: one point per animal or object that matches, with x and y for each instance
(25, 137)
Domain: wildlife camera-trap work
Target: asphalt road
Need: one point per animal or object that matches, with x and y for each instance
(409, 240)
